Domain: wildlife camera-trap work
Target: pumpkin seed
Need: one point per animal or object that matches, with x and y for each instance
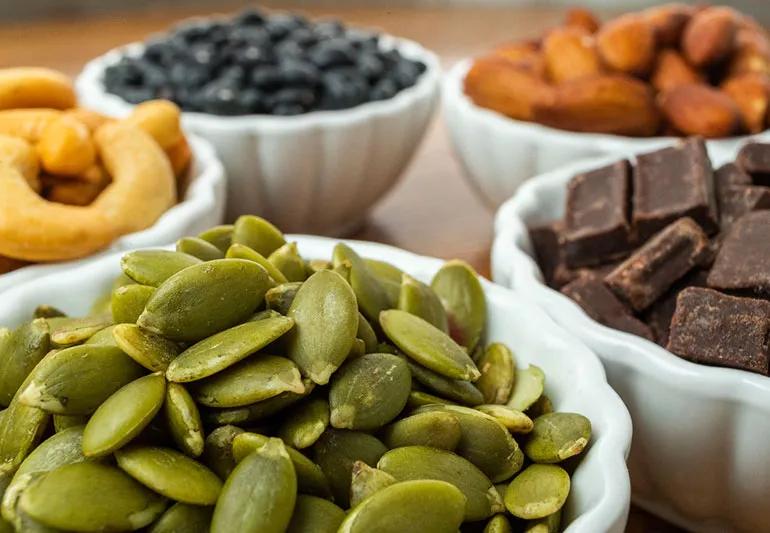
(315, 515)
(420, 398)
(497, 374)
(21, 428)
(103, 337)
(370, 294)
(153, 267)
(183, 420)
(64, 422)
(287, 260)
(183, 517)
(258, 234)
(366, 480)
(128, 302)
(305, 423)
(389, 277)
(314, 265)
(259, 410)
(498, 524)
(541, 407)
(557, 436)
(433, 428)
(197, 247)
(366, 333)
(281, 297)
(47, 311)
(458, 390)
(549, 524)
(459, 289)
(148, 349)
(527, 388)
(66, 331)
(538, 491)
(241, 251)
(218, 450)
(21, 350)
(515, 421)
(419, 299)
(357, 350)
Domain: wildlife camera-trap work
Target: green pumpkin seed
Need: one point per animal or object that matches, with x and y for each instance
(219, 236)
(515, 421)
(196, 247)
(325, 314)
(183, 517)
(420, 398)
(366, 333)
(357, 350)
(77, 380)
(305, 423)
(337, 450)
(148, 349)
(527, 388)
(226, 348)
(183, 420)
(498, 524)
(459, 289)
(257, 411)
(68, 331)
(549, 524)
(82, 497)
(434, 428)
(538, 491)
(255, 379)
(287, 260)
(21, 428)
(21, 350)
(541, 407)
(422, 462)
(310, 478)
(366, 480)
(428, 345)
(64, 422)
(315, 515)
(368, 392)
(389, 277)
(485, 442)
(370, 294)
(241, 251)
(171, 474)
(458, 390)
(314, 265)
(47, 311)
(497, 374)
(557, 436)
(128, 302)
(266, 313)
(260, 493)
(153, 267)
(419, 299)
(343, 269)
(258, 234)
(218, 450)
(124, 415)
(26, 524)
(103, 337)
(281, 297)
(205, 299)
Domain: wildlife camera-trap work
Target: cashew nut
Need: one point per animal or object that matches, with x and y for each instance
(35, 87)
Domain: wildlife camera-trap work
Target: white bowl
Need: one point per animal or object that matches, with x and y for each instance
(499, 153)
(575, 379)
(319, 172)
(699, 456)
(202, 207)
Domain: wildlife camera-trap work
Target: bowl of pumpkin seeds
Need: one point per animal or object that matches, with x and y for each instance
(244, 380)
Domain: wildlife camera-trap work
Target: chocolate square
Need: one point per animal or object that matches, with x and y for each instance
(754, 158)
(735, 202)
(590, 293)
(596, 224)
(716, 329)
(545, 244)
(672, 183)
(659, 314)
(730, 175)
(652, 269)
(743, 262)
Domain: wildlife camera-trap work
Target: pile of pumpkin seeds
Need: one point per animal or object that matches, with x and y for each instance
(233, 386)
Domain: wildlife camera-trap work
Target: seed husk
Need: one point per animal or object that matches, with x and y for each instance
(366, 480)
(218, 450)
(433, 428)
(197, 247)
(258, 234)
(219, 236)
(148, 349)
(422, 462)
(82, 497)
(497, 374)
(419, 299)
(371, 296)
(183, 420)
(21, 350)
(325, 314)
(280, 298)
(557, 436)
(515, 421)
(527, 388)
(66, 331)
(183, 517)
(255, 379)
(153, 267)
(305, 423)
(458, 390)
(205, 299)
(460, 290)
(241, 251)
(128, 302)
(260, 493)
(368, 392)
(224, 349)
(287, 260)
(538, 491)
(428, 345)
(315, 515)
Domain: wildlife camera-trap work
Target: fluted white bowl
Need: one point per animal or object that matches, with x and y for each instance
(319, 172)
(203, 206)
(699, 454)
(499, 153)
(575, 380)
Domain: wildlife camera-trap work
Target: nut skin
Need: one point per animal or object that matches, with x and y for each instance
(570, 53)
(672, 70)
(627, 44)
(751, 92)
(700, 110)
(710, 36)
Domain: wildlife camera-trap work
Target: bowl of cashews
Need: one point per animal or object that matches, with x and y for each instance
(75, 183)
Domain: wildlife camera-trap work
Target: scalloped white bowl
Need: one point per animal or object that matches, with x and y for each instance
(202, 207)
(499, 153)
(699, 456)
(319, 172)
(575, 380)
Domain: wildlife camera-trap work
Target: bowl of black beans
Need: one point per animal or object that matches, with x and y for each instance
(313, 120)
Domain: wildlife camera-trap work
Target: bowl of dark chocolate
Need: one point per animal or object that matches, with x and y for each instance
(309, 111)
(661, 264)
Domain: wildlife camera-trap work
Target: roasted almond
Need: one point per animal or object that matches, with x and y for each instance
(751, 92)
(611, 103)
(697, 109)
(668, 22)
(627, 44)
(754, 38)
(570, 53)
(671, 70)
(710, 36)
(498, 84)
(525, 54)
(580, 17)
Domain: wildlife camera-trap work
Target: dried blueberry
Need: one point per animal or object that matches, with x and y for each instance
(249, 17)
(267, 78)
(332, 53)
(383, 89)
(287, 110)
(299, 73)
(370, 66)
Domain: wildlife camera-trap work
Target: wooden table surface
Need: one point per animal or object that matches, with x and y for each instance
(432, 210)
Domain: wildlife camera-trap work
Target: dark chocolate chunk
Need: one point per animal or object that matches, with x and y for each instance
(743, 262)
(730, 175)
(545, 244)
(652, 269)
(590, 293)
(716, 329)
(672, 183)
(659, 315)
(734, 202)
(754, 158)
(596, 225)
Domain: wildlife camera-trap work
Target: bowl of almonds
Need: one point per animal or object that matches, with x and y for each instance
(624, 86)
